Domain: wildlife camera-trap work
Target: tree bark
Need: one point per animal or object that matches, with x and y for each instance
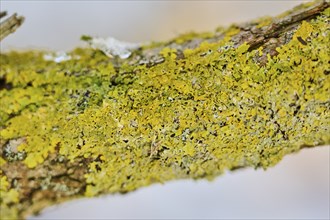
(83, 124)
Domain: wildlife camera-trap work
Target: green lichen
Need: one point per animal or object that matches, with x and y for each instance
(129, 126)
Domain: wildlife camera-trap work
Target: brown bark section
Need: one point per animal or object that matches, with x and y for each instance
(55, 180)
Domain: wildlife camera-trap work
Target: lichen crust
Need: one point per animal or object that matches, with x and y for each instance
(95, 125)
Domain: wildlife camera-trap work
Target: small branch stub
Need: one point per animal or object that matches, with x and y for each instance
(9, 25)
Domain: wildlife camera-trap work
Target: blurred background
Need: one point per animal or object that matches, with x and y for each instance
(58, 25)
(297, 188)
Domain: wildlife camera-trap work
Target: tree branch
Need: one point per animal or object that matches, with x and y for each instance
(84, 124)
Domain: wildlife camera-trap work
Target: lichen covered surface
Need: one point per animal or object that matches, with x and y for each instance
(94, 125)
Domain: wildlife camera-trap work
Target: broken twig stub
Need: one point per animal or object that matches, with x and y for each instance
(9, 25)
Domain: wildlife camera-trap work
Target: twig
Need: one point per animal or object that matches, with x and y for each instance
(3, 14)
(10, 25)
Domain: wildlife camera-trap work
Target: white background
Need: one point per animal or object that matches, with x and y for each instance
(297, 188)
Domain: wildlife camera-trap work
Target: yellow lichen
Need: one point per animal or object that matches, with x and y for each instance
(9, 197)
(129, 126)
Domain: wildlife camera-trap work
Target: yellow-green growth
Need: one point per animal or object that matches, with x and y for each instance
(216, 109)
